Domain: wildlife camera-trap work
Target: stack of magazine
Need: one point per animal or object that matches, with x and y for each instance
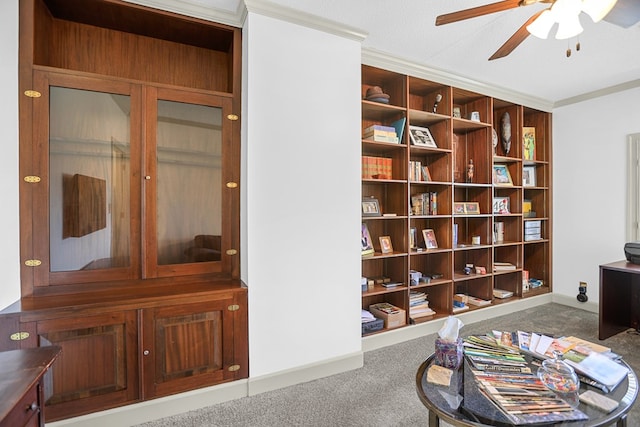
(595, 364)
(503, 376)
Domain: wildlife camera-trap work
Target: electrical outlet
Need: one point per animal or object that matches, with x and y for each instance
(582, 292)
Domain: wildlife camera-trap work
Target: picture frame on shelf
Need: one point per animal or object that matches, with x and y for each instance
(430, 241)
(472, 208)
(421, 136)
(385, 245)
(501, 175)
(367, 244)
(459, 208)
(370, 207)
(501, 205)
(529, 176)
(529, 143)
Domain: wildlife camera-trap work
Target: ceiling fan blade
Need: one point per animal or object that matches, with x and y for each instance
(477, 11)
(514, 41)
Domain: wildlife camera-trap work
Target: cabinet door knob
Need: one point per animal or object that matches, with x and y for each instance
(147, 177)
(33, 407)
(146, 352)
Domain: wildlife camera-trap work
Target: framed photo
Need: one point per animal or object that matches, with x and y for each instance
(413, 238)
(430, 241)
(529, 176)
(501, 205)
(367, 244)
(501, 175)
(529, 143)
(472, 208)
(421, 136)
(459, 208)
(370, 207)
(385, 245)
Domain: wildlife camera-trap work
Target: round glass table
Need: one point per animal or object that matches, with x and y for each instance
(462, 404)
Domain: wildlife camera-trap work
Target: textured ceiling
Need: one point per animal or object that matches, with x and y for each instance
(609, 54)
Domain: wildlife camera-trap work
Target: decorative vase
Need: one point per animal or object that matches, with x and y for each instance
(506, 132)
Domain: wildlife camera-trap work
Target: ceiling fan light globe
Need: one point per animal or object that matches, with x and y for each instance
(597, 9)
(569, 27)
(541, 26)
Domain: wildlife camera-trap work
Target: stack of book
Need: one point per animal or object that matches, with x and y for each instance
(381, 133)
(478, 302)
(460, 303)
(503, 266)
(419, 306)
(532, 230)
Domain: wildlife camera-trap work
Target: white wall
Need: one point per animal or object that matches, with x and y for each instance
(589, 187)
(9, 223)
(302, 145)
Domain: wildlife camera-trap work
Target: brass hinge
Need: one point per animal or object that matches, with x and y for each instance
(32, 262)
(19, 336)
(231, 252)
(32, 93)
(232, 184)
(232, 117)
(233, 368)
(32, 179)
(233, 307)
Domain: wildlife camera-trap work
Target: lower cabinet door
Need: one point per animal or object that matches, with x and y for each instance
(97, 368)
(187, 346)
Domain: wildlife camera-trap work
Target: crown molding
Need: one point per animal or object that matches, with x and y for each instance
(221, 16)
(393, 63)
(272, 10)
(598, 93)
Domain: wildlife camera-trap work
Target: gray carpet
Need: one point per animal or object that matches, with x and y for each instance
(382, 393)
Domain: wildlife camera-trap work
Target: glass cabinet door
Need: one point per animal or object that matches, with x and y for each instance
(84, 214)
(184, 183)
(89, 180)
(136, 182)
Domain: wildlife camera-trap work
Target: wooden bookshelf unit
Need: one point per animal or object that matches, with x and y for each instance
(478, 216)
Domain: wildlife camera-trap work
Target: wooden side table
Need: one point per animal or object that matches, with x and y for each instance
(22, 387)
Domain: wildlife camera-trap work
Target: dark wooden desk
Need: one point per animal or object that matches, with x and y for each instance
(21, 385)
(619, 298)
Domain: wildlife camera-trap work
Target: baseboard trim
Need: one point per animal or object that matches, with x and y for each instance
(138, 413)
(305, 373)
(573, 302)
(142, 412)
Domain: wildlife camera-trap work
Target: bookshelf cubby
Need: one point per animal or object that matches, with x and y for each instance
(428, 184)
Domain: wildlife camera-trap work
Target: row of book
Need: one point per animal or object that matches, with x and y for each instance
(424, 203)
(418, 171)
(377, 167)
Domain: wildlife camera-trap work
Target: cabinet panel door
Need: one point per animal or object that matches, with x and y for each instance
(97, 367)
(187, 346)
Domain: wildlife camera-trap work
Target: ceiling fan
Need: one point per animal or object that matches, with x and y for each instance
(563, 12)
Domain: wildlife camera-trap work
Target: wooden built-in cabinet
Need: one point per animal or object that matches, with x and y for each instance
(129, 203)
(464, 236)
